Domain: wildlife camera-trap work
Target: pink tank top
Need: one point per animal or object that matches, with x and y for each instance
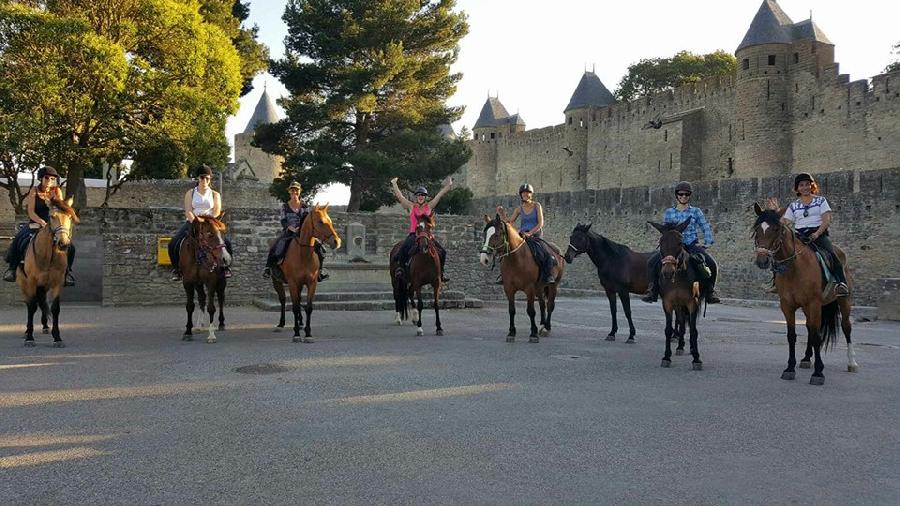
(414, 216)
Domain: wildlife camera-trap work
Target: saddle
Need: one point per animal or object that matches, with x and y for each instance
(826, 263)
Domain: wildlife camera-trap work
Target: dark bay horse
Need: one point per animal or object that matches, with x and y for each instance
(520, 273)
(424, 269)
(621, 270)
(301, 265)
(202, 259)
(42, 276)
(679, 288)
(798, 279)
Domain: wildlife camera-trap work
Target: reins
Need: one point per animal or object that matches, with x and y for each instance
(779, 266)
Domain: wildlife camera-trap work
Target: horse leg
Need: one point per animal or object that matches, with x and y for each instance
(220, 294)
(551, 305)
(697, 364)
(511, 299)
(679, 331)
(626, 308)
(844, 305)
(211, 310)
(529, 308)
(295, 309)
(45, 311)
(806, 363)
(201, 301)
(611, 297)
(542, 307)
(667, 357)
(790, 315)
(419, 307)
(189, 307)
(32, 305)
(54, 311)
(437, 313)
(310, 295)
(813, 321)
(279, 289)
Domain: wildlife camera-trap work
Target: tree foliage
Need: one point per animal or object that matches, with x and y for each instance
(368, 86)
(653, 75)
(455, 201)
(895, 66)
(86, 84)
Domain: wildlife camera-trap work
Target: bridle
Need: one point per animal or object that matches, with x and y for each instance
(205, 248)
(777, 266)
(490, 250)
(680, 262)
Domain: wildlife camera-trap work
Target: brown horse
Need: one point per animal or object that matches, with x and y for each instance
(424, 269)
(679, 288)
(520, 273)
(201, 262)
(798, 279)
(301, 264)
(42, 276)
(621, 270)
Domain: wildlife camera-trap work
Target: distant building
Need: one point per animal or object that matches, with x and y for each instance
(251, 162)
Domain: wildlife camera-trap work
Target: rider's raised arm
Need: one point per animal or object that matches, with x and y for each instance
(188, 209)
(502, 213)
(29, 207)
(437, 198)
(399, 195)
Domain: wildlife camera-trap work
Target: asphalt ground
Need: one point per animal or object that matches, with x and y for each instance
(127, 413)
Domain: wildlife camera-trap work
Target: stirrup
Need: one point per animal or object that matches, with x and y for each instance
(70, 279)
(176, 276)
(323, 275)
(267, 272)
(227, 272)
(841, 290)
(650, 296)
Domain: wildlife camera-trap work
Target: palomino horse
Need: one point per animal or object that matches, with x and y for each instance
(301, 264)
(520, 273)
(202, 260)
(424, 269)
(621, 270)
(798, 279)
(679, 288)
(44, 272)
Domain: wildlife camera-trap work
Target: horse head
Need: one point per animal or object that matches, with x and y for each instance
(208, 232)
(425, 232)
(323, 227)
(62, 222)
(768, 235)
(579, 242)
(495, 237)
(671, 246)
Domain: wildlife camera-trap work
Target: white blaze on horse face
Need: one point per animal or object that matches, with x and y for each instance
(764, 226)
(487, 239)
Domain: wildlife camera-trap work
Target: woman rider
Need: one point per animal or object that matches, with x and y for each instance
(681, 212)
(37, 204)
(531, 228)
(293, 212)
(420, 208)
(201, 200)
(810, 216)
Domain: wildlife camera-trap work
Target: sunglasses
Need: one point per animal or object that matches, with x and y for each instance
(683, 194)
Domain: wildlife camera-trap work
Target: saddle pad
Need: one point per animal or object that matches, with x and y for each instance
(826, 271)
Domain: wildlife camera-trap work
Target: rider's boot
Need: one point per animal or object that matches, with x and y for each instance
(712, 297)
(323, 275)
(176, 274)
(10, 274)
(652, 294)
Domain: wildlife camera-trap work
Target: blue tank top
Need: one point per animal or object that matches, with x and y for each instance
(529, 220)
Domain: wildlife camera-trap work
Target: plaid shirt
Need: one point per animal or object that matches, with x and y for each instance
(673, 215)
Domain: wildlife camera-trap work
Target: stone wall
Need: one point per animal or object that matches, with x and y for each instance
(866, 224)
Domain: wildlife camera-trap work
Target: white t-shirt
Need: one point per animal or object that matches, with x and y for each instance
(202, 203)
(807, 216)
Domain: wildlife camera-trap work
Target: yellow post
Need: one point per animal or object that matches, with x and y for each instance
(162, 251)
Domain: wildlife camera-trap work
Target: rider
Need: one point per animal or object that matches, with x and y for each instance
(531, 228)
(417, 209)
(37, 204)
(201, 200)
(293, 212)
(810, 216)
(681, 212)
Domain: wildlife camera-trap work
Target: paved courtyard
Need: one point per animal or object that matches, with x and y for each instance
(371, 414)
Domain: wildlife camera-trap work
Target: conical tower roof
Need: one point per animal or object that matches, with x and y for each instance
(265, 113)
(809, 30)
(770, 26)
(590, 92)
(491, 113)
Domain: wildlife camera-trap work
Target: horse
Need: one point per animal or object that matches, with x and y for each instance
(621, 270)
(301, 265)
(44, 272)
(520, 273)
(679, 288)
(798, 279)
(424, 269)
(202, 258)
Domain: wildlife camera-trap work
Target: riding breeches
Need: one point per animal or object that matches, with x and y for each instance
(16, 252)
(824, 243)
(654, 264)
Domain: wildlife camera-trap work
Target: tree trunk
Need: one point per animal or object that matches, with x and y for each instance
(355, 195)
(75, 186)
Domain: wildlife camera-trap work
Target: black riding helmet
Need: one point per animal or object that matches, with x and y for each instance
(526, 188)
(803, 176)
(47, 171)
(684, 186)
(421, 191)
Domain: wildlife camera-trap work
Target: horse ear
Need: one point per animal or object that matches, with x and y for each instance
(657, 226)
(756, 208)
(782, 211)
(198, 219)
(497, 218)
(325, 207)
(588, 226)
(486, 219)
(69, 201)
(683, 225)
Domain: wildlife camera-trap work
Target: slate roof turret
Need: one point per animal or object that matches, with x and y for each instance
(590, 92)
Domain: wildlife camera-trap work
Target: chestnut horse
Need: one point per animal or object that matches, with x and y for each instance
(301, 264)
(42, 276)
(201, 262)
(798, 279)
(520, 273)
(679, 289)
(621, 270)
(424, 269)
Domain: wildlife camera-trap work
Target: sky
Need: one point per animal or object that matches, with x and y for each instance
(532, 53)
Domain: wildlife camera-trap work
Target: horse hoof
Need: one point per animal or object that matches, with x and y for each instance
(534, 340)
(817, 380)
(438, 332)
(665, 363)
(852, 368)
(509, 339)
(222, 327)
(804, 364)
(279, 326)
(611, 337)
(544, 332)
(29, 343)
(297, 339)
(59, 344)
(210, 340)
(308, 340)
(679, 352)
(419, 331)
(788, 375)
(187, 337)
(630, 341)
(45, 330)
(697, 366)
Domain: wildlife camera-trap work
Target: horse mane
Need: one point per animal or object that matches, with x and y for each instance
(64, 207)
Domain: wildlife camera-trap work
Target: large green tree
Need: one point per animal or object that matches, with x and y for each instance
(85, 84)
(894, 66)
(653, 75)
(368, 83)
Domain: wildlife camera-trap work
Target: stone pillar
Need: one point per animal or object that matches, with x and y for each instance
(889, 299)
(356, 241)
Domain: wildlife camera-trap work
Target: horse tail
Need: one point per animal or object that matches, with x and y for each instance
(401, 295)
(829, 325)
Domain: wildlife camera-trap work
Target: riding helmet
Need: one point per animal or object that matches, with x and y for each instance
(526, 188)
(47, 171)
(803, 176)
(421, 191)
(684, 186)
(296, 185)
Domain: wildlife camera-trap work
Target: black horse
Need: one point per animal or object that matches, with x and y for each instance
(621, 270)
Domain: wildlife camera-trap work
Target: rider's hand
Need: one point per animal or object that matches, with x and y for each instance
(772, 203)
(43, 223)
(499, 209)
(448, 181)
(394, 180)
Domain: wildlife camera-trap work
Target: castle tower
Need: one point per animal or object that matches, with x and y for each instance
(589, 96)
(762, 140)
(253, 162)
